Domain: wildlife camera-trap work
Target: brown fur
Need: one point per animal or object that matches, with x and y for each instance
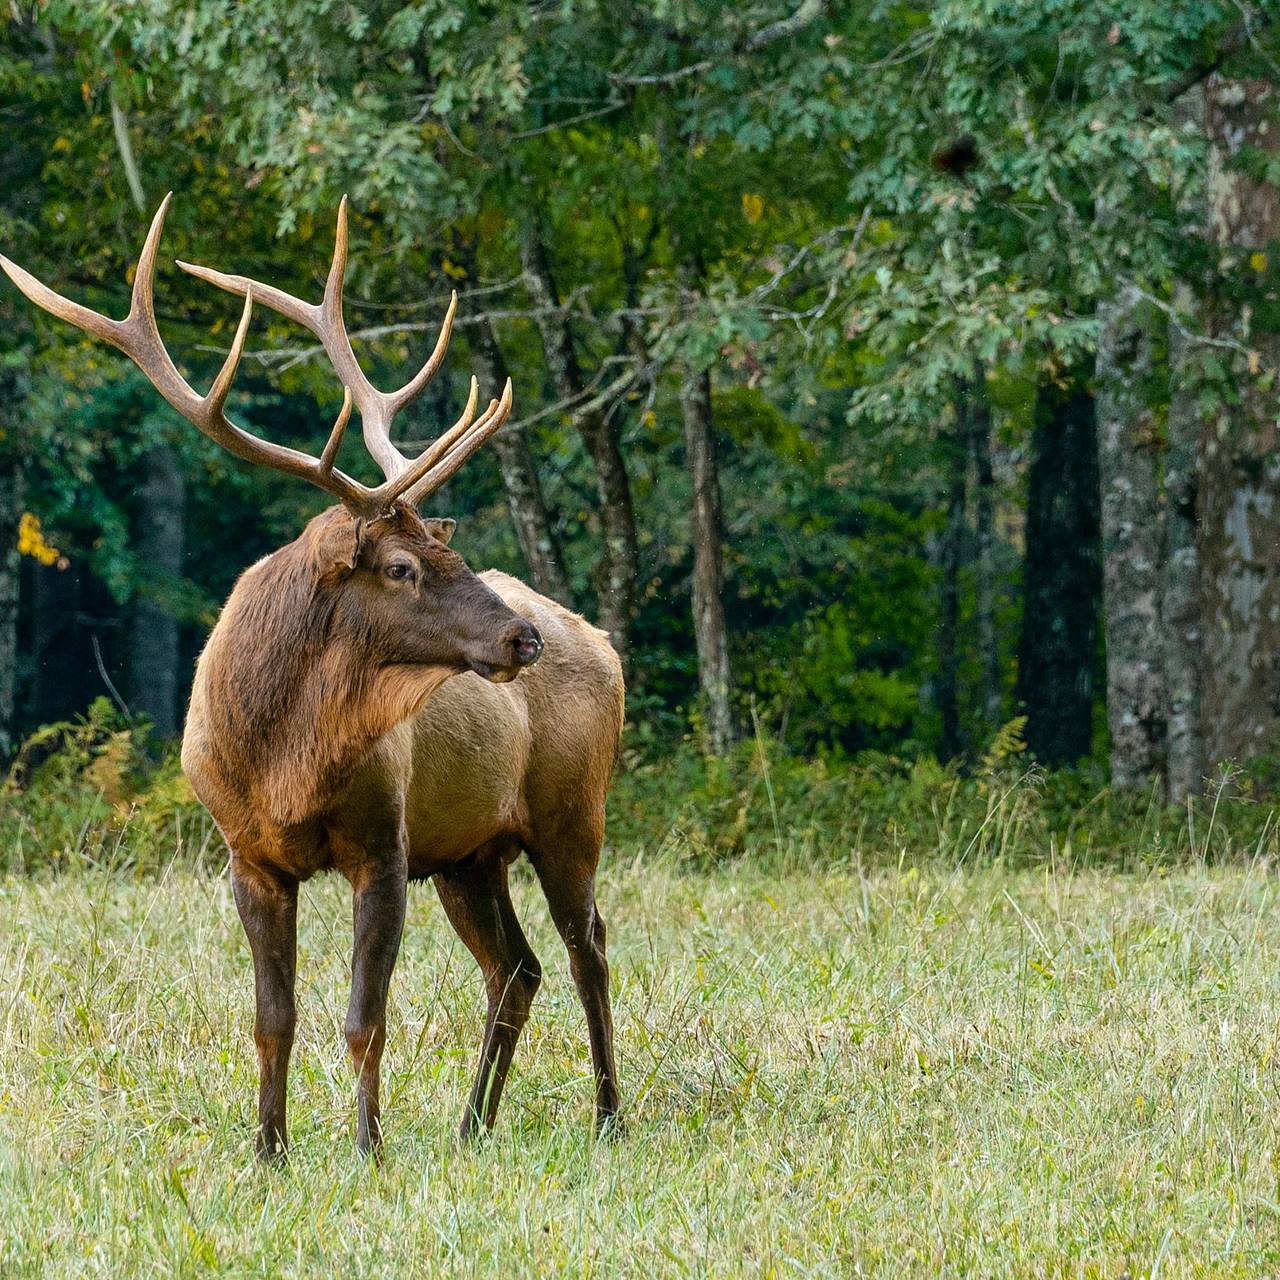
(334, 723)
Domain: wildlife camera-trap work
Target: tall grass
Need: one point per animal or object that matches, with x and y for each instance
(928, 1070)
(873, 1019)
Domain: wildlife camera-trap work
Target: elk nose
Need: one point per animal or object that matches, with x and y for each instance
(527, 645)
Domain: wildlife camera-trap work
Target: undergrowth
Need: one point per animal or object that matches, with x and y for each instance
(95, 791)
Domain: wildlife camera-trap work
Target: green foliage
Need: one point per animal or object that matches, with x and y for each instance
(846, 281)
(90, 792)
(86, 792)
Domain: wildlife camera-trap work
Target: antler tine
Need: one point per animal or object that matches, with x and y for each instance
(489, 424)
(138, 337)
(377, 408)
(414, 387)
(215, 401)
(436, 450)
(339, 430)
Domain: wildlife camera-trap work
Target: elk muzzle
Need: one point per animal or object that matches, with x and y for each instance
(518, 647)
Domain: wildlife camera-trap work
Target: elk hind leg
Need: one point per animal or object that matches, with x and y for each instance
(566, 870)
(477, 900)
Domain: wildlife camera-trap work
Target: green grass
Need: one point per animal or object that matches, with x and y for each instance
(920, 1071)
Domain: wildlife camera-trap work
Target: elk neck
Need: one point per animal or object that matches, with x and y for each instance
(288, 698)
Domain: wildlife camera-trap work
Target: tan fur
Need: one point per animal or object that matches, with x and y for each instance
(327, 748)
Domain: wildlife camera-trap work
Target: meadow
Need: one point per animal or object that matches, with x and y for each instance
(926, 1067)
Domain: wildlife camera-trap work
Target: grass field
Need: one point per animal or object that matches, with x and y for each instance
(978, 1072)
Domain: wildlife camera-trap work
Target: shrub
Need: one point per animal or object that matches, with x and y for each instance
(88, 790)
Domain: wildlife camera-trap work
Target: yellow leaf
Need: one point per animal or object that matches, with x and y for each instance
(650, 418)
(752, 207)
(61, 144)
(1258, 262)
(453, 271)
(1255, 363)
(31, 541)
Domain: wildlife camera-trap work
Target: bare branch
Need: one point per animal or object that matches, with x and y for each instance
(808, 13)
(607, 109)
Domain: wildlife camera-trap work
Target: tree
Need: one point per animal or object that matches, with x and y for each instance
(1057, 653)
(1240, 476)
(708, 557)
(1127, 451)
(600, 435)
(159, 541)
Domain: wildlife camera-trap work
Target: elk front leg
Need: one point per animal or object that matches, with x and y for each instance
(378, 913)
(268, 909)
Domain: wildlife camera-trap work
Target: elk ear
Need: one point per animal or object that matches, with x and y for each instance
(440, 528)
(337, 549)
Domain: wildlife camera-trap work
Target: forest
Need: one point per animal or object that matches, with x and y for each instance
(885, 375)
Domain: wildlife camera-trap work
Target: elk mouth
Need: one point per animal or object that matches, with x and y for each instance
(493, 672)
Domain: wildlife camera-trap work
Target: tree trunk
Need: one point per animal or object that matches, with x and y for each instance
(528, 508)
(978, 409)
(1240, 479)
(530, 517)
(708, 561)
(159, 538)
(599, 434)
(1057, 652)
(1130, 543)
(1180, 563)
(950, 745)
(12, 492)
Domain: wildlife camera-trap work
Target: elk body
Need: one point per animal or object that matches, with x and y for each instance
(367, 704)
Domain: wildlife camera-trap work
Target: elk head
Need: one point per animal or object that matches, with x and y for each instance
(396, 592)
(389, 568)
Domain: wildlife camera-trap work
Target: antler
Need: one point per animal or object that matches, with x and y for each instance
(139, 338)
(413, 479)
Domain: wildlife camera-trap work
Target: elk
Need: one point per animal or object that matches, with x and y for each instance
(367, 703)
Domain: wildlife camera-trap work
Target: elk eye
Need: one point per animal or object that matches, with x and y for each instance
(399, 570)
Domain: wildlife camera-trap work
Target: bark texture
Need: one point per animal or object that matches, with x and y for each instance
(978, 411)
(1240, 481)
(11, 500)
(525, 502)
(1127, 446)
(159, 538)
(714, 676)
(1180, 563)
(1057, 651)
(599, 433)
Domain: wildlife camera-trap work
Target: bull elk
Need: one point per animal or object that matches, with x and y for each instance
(367, 703)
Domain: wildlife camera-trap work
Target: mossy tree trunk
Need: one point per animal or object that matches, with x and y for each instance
(707, 587)
(1127, 455)
(1239, 507)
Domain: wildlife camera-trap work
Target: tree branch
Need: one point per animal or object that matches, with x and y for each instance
(1239, 37)
(807, 14)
